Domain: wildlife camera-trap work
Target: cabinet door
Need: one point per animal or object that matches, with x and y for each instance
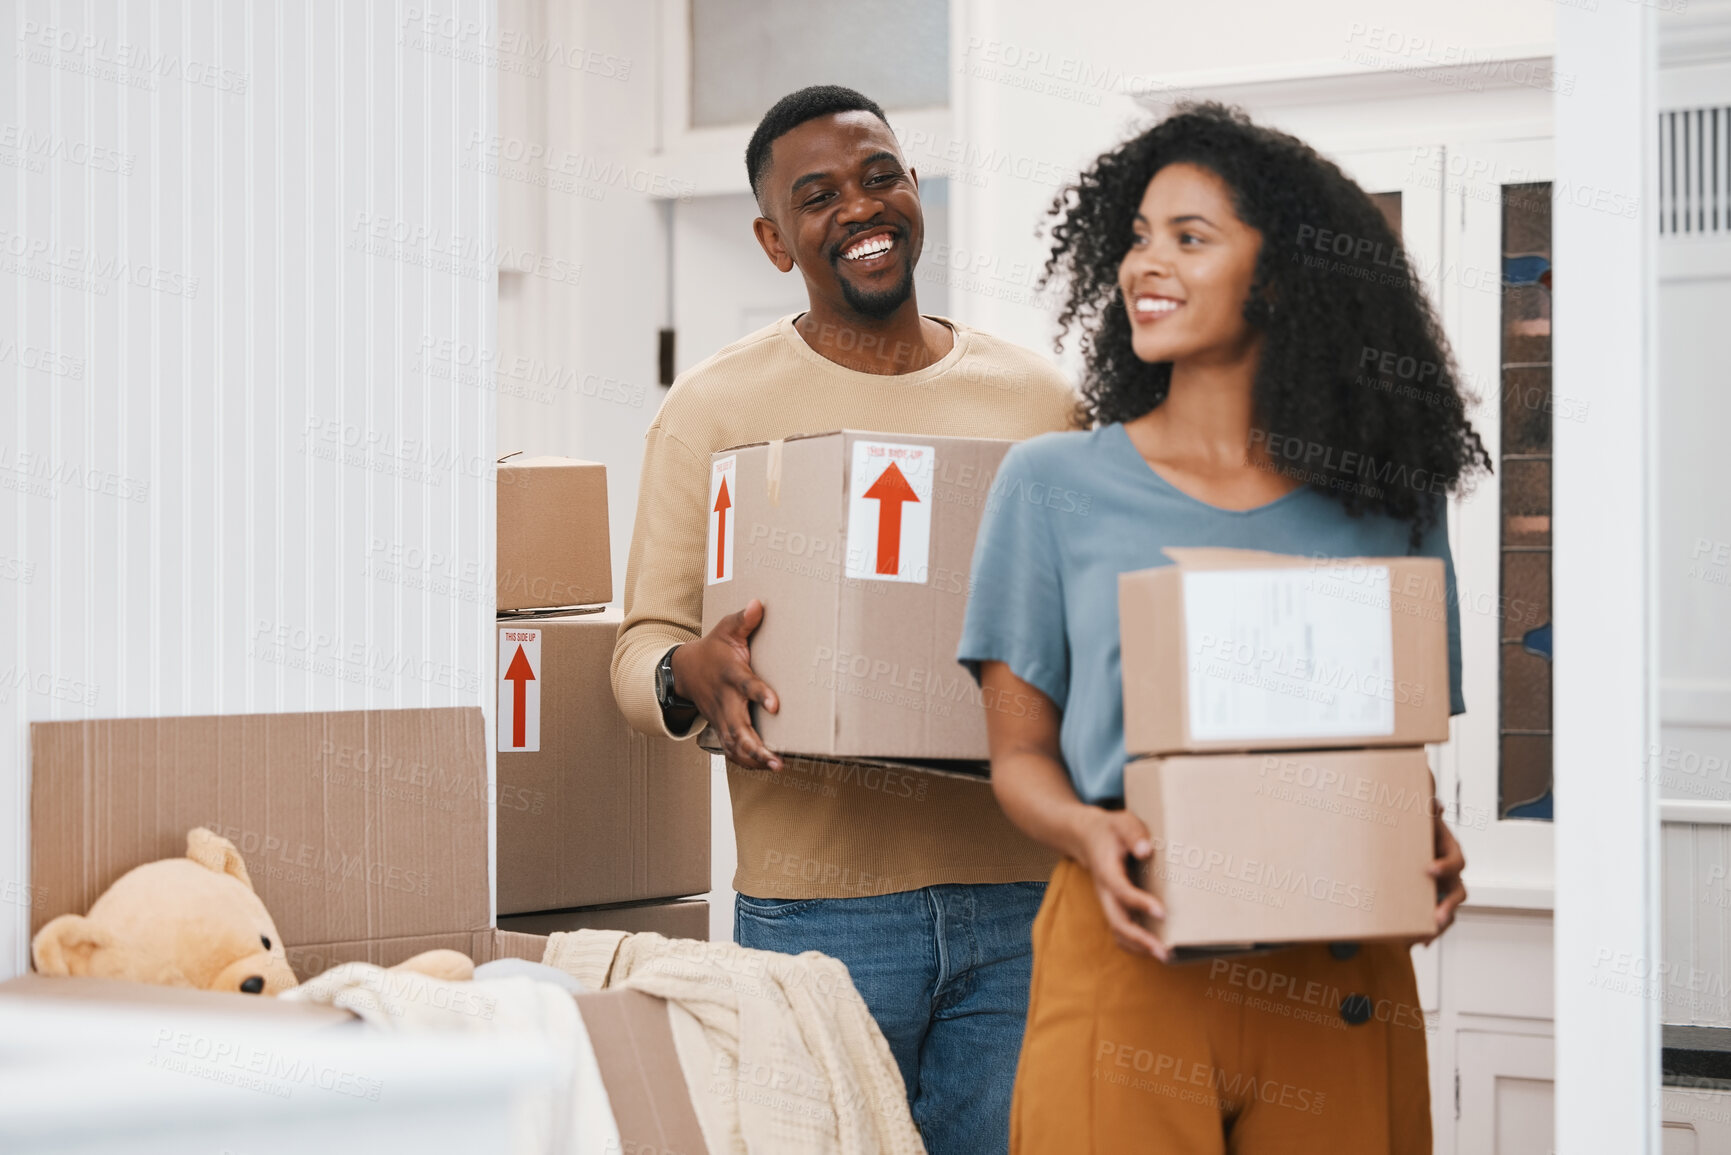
(1506, 1093)
(1697, 1121)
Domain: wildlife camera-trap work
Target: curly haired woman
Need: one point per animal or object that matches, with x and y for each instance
(1217, 337)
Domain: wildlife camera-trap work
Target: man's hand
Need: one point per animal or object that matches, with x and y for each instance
(715, 673)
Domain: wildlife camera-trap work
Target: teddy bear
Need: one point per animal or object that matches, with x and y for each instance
(190, 922)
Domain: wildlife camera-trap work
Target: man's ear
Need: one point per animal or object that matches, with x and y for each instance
(214, 852)
(65, 946)
(770, 238)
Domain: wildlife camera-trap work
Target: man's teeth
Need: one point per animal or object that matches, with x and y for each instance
(869, 248)
(1156, 304)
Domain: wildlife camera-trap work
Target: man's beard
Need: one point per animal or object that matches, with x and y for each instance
(879, 305)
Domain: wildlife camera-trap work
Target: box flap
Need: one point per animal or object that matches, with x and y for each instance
(646, 1086)
(789, 437)
(1201, 557)
(354, 825)
(549, 461)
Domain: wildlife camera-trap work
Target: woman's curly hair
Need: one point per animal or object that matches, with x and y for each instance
(1355, 374)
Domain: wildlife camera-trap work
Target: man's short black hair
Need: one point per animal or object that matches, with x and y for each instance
(795, 109)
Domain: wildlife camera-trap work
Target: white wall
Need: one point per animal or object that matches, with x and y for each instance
(226, 484)
(593, 199)
(1052, 93)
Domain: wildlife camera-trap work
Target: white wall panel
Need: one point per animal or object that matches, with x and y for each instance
(226, 484)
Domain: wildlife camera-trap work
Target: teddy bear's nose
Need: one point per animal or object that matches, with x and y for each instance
(253, 984)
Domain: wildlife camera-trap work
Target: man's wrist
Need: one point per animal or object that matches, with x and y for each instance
(677, 712)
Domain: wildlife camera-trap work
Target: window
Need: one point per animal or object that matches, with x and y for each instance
(748, 54)
(1524, 463)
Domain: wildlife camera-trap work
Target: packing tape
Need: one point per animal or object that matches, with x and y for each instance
(772, 472)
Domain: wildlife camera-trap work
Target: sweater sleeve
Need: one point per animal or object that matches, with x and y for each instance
(663, 576)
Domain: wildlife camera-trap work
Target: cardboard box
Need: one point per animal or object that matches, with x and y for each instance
(1269, 848)
(859, 545)
(1238, 650)
(591, 812)
(552, 541)
(684, 918)
(646, 1088)
(364, 832)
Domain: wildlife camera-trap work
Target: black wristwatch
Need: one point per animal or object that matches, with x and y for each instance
(665, 695)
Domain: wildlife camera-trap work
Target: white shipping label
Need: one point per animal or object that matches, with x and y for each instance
(723, 526)
(1300, 653)
(519, 691)
(889, 511)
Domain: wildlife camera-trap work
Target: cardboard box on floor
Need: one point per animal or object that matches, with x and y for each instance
(685, 918)
(1281, 847)
(364, 832)
(590, 811)
(860, 547)
(1239, 650)
(552, 545)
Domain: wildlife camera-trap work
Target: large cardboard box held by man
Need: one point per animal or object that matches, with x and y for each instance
(859, 545)
(1238, 650)
(552, 545)
(1282, 847)
(590, 811)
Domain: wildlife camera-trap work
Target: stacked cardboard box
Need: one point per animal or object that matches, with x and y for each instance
(859, 545)
(591, 814)
(1280, 707)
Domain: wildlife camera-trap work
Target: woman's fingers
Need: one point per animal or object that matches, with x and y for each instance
(1446, 868)
(1130, 934)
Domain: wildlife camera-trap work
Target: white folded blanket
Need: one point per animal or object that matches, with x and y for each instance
(574, 1120)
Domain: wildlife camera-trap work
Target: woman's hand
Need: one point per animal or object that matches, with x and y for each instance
(1106, 839)
(1446, 869)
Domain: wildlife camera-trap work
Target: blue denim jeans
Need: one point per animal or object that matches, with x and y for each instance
(944, 971)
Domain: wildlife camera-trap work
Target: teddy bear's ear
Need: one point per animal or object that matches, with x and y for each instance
(65, 946)
(214, 852)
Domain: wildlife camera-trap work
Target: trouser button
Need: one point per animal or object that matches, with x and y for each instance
(1343, 950)
(1355, 1009)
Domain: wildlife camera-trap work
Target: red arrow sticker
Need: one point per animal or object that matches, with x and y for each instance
(519, 719)
(889, 522)
(723, 486)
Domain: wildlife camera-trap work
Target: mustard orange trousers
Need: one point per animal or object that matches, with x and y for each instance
(1316, 1048)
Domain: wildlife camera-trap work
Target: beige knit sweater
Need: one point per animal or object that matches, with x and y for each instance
(779, 1052)
(811, 831)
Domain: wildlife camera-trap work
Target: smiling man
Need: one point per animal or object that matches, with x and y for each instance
(929, 898)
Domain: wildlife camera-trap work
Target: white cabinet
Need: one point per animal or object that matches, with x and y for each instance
(1506, 1105)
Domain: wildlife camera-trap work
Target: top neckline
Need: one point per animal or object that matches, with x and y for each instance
(1125, 445)
(958, 350)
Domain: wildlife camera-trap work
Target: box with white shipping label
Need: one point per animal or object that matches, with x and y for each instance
(1238, 650)
(859, 545)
